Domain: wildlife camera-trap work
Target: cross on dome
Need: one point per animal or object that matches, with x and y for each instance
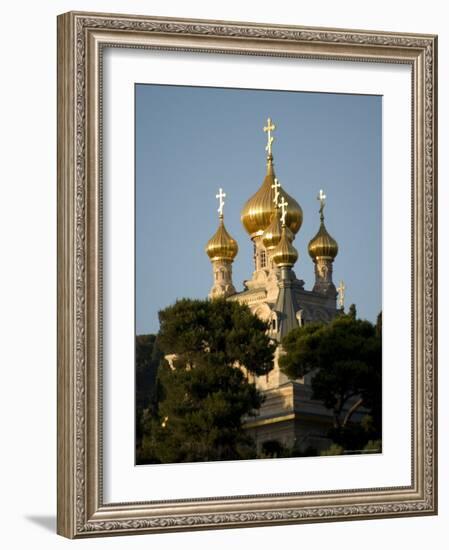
(276, 186)
(220, 198)
(270, 127)
(322, 198)
(283, 206)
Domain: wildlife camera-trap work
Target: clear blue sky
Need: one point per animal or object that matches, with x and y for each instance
(190, 141)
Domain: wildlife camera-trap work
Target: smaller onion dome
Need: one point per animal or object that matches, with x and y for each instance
(222, 246)
(284, 254)
(272, 234)
(323, 245)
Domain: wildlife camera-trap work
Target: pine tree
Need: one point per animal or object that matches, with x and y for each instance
(345, 357)
(204, 395)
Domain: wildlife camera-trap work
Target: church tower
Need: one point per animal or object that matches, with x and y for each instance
(222, 249)
(272, 218)
(323, 249)
(284, 256)
(260, 210)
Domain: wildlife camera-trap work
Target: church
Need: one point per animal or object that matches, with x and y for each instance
(272, 218)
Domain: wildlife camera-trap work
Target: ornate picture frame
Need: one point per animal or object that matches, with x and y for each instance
(82, 38)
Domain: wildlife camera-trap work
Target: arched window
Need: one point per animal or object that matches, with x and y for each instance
(263, 259)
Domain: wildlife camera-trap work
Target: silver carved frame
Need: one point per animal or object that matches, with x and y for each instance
(81, 38)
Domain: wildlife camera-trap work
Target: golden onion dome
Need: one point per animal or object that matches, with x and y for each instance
(258, 211)
(222, 246)
(323, 245)
(272, 234)
(284, 254)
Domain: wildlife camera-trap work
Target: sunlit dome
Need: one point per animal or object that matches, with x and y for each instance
(258, 211)
(322, 245)
(285, 254)
(272, 234)
(222, 246)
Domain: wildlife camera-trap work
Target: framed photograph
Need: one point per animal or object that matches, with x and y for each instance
(246, 274)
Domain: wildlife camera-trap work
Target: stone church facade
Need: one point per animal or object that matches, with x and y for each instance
(272, 218)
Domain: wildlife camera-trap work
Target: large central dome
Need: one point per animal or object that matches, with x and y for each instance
(258, 210)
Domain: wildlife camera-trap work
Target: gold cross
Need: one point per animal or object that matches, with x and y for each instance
(270, 127)
(321, 197)
(341, 294)
(283, 206)
(276, 186)
(220, 198)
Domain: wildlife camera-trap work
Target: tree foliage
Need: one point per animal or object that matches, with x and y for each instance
(220, 332)
(148, 357)
(200, 415)
(204, 396)
(345, 357)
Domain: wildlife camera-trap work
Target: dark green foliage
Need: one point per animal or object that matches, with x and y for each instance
(218, 331)
(333, 450)
(352, 311)
(200, 415)
(379, 325)
(148, 357)
(272, 449)
(275, 449)
(346, 359)
(203, 396)
(373, 446)
(353, 436)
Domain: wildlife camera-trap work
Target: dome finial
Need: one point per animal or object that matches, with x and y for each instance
(276, 186)
(221, 196)
(283, 206)
(322, 198)
(270, 127)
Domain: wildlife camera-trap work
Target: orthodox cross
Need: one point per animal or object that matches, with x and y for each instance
(276, 186)
(283, 206)
(341, 294)
(220, 198)
(322, 198)
(269, 128)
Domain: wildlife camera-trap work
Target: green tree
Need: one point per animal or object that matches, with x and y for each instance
(200, 415)
(346, 357)
(204, 396)
(379, 325)
(148, 357)
(352, 311)
(220, 332)
(333, 450)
